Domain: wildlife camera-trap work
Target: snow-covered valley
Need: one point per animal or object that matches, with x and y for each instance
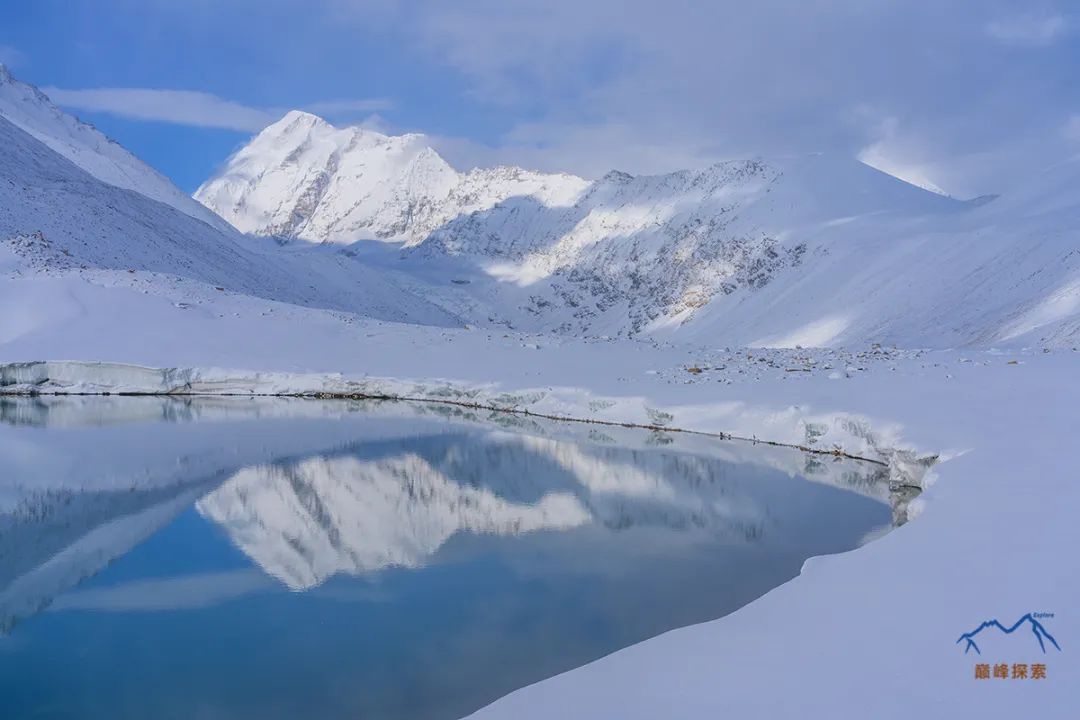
(810, 301)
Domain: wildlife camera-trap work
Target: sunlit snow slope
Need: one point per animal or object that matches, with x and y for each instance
(811, 251)
(301, 177)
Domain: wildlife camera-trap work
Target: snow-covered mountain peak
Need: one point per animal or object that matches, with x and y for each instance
(302, 177)
(56, 218)
(295, 118)
(29, 109)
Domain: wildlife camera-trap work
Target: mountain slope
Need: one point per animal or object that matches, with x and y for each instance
(301, 177)
(30, 110)
(634, 254)
(813, 250)
(61, 220)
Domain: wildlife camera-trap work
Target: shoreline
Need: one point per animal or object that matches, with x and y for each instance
(719, 435)
(991, 417)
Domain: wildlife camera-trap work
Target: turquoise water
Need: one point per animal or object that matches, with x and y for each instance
(283, 559)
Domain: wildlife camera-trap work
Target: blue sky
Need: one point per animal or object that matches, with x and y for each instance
(966, 96)
(250, 55)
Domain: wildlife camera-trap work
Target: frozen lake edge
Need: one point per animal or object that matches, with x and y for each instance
(931, 579)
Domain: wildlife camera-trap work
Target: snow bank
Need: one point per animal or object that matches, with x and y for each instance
(838, 433)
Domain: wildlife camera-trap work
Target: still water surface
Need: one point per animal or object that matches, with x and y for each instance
(288, 558)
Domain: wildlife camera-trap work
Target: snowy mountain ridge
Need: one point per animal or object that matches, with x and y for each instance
(57, 219)
(814, 251)
(621, 255)
(30, 110)
(638, 254)
(69, 211)
(302, 177)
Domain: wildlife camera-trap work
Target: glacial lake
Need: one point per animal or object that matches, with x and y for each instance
(284, 558)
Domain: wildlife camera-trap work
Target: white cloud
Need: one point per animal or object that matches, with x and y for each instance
(880, 156)
(889, 153)
(587, 149)
(188, 107)
(180, 107)
(1027, 30)
(650, 87)
(183, 592)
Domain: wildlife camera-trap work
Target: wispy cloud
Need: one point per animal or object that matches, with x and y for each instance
(170, 593)
(651, 87)
(198, 109)
(180, 107)
(575, 70)
(896, 155)
(1027, 30)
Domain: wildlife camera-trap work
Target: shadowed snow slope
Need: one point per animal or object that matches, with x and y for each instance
(813, 251)
(61, 220)
(29, 109)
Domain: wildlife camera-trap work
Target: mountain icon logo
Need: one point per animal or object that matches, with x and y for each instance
(1029, 620)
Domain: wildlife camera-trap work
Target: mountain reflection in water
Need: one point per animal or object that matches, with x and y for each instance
(275, 558)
